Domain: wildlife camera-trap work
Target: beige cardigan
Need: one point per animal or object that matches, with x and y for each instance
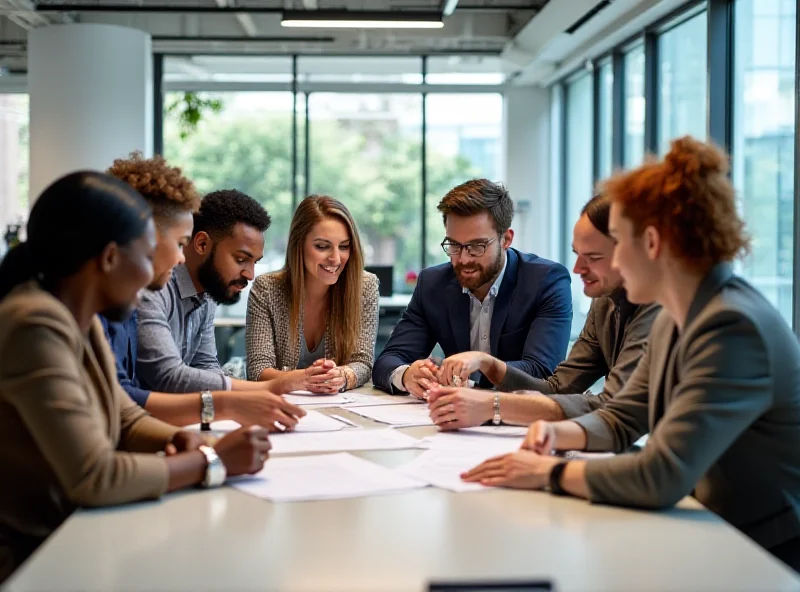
(69, 435)
(267, 330)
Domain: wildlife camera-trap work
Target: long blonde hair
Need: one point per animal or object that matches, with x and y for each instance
(344, 297)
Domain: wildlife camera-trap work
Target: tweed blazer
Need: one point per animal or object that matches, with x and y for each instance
(267, 330)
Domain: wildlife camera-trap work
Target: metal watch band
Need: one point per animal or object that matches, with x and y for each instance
(215, 469)
(555, 479)
(497, 420)
(206, 410)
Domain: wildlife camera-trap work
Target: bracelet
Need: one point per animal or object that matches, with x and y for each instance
(555, 478)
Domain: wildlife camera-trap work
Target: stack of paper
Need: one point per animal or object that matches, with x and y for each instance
(443, 468)
(502, 430)
(328, 476)
(470, 442)
(367, 400)
(396, 415)
(386, 439)
(314, 421)
(311, 400)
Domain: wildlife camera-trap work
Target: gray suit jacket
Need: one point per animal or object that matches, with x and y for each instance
(610, 345)
(721, 401)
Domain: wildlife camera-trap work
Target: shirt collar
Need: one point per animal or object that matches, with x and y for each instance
(184, 282)
(496, 285)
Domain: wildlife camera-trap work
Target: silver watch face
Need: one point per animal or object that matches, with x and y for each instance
(207, 410)
(215, 469)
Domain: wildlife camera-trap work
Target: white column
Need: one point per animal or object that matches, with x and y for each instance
(91, 94)
(528, 158)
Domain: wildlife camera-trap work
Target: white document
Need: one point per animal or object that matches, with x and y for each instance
(360, 439)
(314, 421)
(443, 468)
(367, 400)
(471, 442)
(310, 400)
(328, 476)
(396, 415)
(502, 430)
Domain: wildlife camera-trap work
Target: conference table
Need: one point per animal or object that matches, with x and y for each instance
(224, 539)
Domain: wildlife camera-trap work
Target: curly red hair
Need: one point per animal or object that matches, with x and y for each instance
(688, 198)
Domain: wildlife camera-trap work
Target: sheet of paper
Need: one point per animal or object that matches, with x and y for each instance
(327, 476)
(502, 430)
(443, 468)
(396, 415)
(314, 421)
(367, 400)
(317, 400)
(358, 439)
(472, 442)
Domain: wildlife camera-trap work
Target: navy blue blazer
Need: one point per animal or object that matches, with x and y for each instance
(530, 326)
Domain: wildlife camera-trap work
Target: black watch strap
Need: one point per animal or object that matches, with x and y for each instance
(555, 479)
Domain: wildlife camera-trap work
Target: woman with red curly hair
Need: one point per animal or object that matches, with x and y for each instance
(718, 389)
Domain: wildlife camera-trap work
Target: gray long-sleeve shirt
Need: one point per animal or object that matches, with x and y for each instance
(177, 352)
(610, 345)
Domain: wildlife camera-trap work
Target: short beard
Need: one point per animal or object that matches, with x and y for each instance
(214, 284)
(485, 274)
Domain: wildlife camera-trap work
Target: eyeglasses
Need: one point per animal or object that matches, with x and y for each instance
(476, 249)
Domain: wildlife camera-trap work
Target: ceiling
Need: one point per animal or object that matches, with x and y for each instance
(522, 40)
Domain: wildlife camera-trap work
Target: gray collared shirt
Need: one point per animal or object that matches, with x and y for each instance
(480, 315)
(177, 352)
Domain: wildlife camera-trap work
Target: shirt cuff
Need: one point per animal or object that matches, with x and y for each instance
(598, 433)
(397, 378)
(227, 384)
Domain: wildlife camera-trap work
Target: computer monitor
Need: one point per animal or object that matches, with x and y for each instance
(385, 275)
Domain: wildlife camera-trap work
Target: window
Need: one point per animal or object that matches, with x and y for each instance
(605, 98)
(13, 163)
(578, 178)
(463, 142)
(366, 151)
(465, 69)
(682, 79)
(763, 145)
(245, 146)
(633, 149)
(405, 70)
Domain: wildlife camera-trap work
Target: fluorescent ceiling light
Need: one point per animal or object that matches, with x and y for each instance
(362, 19)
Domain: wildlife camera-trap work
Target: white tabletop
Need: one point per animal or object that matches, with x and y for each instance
(228, 540)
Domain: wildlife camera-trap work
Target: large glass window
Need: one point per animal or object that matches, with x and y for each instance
(763, 151)
(13, 164)
(246, 145)
(578, 177)
(633, 148)
(683, 75)
(605, 116)
(463, 142)
(365, 150)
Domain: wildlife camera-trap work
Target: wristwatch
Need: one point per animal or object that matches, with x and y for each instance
(206, 411)
(555, 479)
(497, 420)
(215, 469)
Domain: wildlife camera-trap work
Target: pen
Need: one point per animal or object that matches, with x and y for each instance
(344, 420)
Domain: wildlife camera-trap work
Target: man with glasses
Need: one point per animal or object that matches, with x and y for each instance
(490, 298)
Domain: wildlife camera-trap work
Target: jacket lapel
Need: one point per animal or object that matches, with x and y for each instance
(458, 309)
(504, 297)
(663, 367)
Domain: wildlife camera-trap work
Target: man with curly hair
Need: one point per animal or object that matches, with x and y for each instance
(174, 202)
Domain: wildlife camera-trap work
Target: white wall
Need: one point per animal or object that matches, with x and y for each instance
(527, 151)
(91, 89)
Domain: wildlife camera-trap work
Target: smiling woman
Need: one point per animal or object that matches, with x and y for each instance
(315, 321)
